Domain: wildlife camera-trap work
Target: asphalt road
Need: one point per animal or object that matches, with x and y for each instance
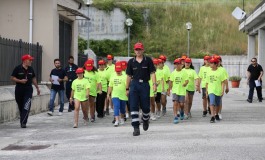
(240, 135)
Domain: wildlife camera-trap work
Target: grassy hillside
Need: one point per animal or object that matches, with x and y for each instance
(214, 29)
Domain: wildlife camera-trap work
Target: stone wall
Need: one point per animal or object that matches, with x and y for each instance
(8, 105)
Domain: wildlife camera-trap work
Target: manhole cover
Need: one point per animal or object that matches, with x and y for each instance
(25, 147)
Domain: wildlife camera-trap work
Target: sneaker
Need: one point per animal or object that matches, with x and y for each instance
(75, 126)
(158, 114)
(136, 132)
(249, 100)
(181, 115)
(217, 117)
(116, 124)
(122, 122)
(153, 118)
(220, 116)
(212, 120)
(85, 122)
(50, 113)
(260, 100)
(107, 112)
(204, 113)
(178, 114)
(164, 111)
(176, 120)
(60, 113)
(186, 117)
(69, 110)
(146, 125)
(189, 115)
(113, 121)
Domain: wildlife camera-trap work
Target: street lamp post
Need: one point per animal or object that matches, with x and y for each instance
(129, 23)
(188, 27)
(88, 3)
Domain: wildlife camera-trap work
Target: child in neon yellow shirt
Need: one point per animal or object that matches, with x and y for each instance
(214, 87)
(178, 82)
(117, 90)
(192, 75)
(202, 81)
(92, 76)
(80, 92)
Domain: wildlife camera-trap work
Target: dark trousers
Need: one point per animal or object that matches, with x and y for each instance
(139, 94)
(252, 86)
(100, 103)
(23, 96)
(68, 90)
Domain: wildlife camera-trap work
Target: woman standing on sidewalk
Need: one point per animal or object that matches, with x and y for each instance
(80, 92)
(202, 81)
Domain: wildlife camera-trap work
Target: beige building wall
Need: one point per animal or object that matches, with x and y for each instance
(14, 24)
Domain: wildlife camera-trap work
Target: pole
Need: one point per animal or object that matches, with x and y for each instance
(128, 41)
(188, 53)
(87, 28)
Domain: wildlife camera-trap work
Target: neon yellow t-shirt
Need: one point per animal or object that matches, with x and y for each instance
(159, 78)
(118, 84)
(93, 80)
(166, 71)
(178, 78)
(80, 86)
(222, 69)
(152, 93)
(109, 71)
(203, 74)
(192, 76)
(214, 80)
(103, 80)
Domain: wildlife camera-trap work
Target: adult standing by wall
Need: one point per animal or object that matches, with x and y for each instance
(70, 73)
(254, 78)
(57, 78)
(24, 76)
(139, 70)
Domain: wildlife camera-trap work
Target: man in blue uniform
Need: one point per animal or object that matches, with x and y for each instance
(24, 76)
(139, 70)
(70, 73)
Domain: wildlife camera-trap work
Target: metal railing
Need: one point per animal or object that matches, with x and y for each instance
(10, 56)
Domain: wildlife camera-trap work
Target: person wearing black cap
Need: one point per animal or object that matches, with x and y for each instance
(24, 76)
(139, 70)
(70, 73)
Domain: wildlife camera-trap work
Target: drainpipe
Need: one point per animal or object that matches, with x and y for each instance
(30, 20)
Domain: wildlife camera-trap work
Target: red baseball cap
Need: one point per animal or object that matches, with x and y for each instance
(187, 60)
(139, 46)
(89, 64)
(183, 57)
(118, 67)
(109, 57)
(163, 57)
(124, 65)
(177, 61)
(101, 62)
(155, 61)
(26, 57)
(213, 60)
(207, 57)
(79, 70)
(160, 60)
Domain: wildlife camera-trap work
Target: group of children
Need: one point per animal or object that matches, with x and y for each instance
(107, 85)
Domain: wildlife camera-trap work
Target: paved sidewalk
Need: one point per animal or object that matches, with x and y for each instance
(240, 135)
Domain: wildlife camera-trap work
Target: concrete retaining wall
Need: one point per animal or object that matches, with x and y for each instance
(8, 105)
